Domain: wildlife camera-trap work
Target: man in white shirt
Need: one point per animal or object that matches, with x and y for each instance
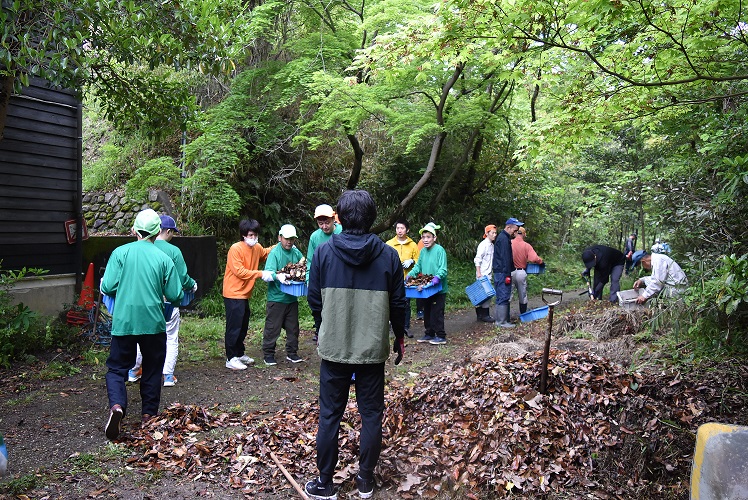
(667, 276)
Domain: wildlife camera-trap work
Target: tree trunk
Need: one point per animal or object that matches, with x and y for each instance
(5, 92)
(436, 150)
(358, 155)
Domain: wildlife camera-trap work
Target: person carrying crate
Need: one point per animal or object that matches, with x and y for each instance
(522, 253)
(483, 267)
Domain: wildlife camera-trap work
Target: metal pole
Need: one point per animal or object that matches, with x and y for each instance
(547, 347)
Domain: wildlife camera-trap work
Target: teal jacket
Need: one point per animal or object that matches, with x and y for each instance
(432, 261)
(277, 259)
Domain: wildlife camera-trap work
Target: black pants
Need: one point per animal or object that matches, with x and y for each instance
(433, 315)
(122, 357)
(334, 384)
(279, 315)
(237, 323)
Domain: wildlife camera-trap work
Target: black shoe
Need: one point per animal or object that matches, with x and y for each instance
(320, 491)
(294, 358)
(488, 319)
(270, 361)
(112, 427)
(365, 487)
(408, 334)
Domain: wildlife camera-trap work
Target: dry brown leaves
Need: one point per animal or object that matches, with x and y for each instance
(481, 429)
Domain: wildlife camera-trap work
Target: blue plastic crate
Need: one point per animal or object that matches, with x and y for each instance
(188, 297)
(108, 302)
(412, 292)
(535, 268)
(294, 288)
(538, 313)
(480, 291)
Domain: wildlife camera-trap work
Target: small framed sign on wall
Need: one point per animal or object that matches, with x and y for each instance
(71, 230)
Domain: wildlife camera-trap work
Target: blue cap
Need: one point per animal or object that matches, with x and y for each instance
(168, 223)
(512, 220)
(637, 256)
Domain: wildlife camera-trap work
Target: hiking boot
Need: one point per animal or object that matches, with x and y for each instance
(145, 419)
(270, 361)
(425, 339)
(246, 359)
(320, 491)
(438, 341)
(112, 427)
(235, 364)
(294, 358)
(365, 486)
(169, 380)
(134, 375)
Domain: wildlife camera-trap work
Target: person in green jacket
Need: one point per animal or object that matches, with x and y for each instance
(163, 243)
(432, 260)
(282, 310)
(327, 226)
(139, 276)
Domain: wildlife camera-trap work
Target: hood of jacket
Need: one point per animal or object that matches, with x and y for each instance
(356, 250)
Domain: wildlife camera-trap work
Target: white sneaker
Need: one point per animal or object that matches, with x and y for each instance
(235, 364)
(246, 360)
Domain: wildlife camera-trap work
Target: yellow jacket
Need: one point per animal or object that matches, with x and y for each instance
(242, 269)
(407, 250)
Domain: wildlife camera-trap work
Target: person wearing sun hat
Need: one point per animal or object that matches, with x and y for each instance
(667, 279)
(139, 276)
(324, 215)
(433, 261)
(163, 243)
(483, 261)
(503, 265)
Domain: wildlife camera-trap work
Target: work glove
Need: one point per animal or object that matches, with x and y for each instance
(435, 280)
(194, 288)
(399, 348)
(408, 263)
(508, 280)
(282, 278)
(267, 276)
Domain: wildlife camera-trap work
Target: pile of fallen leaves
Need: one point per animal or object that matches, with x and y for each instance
(602, 320)
(479, 430)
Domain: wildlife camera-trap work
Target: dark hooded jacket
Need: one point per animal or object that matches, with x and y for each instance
(356, 291)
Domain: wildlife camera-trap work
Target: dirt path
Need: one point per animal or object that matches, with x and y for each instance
(46, 422)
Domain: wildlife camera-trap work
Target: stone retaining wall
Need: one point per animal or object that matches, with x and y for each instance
(113, 213)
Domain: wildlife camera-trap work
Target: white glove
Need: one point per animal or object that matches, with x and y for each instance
(282, 278)
(408, 263)
(194, 288)
(267, 276)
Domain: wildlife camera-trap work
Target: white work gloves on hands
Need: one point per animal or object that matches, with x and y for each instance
(194, 288)
(282, 278)
(408, 263)
(267, 276)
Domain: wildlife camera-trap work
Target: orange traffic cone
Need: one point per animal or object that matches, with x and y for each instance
(86, 300)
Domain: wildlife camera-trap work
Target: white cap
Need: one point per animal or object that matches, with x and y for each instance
(287, 231)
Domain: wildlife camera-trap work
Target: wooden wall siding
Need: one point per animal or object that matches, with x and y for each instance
(39, 180)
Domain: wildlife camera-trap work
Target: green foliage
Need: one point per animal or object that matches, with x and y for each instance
(21, 485)
(18, 324)
(160, 173)
(58, 369)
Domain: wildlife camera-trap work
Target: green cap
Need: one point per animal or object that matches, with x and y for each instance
(149, 221)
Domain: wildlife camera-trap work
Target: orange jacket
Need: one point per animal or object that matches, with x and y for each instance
(523, 252)
(242, 269)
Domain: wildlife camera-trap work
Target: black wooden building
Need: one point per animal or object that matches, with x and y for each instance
(40, 180)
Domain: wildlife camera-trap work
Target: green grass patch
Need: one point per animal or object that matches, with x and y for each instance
(58, 369)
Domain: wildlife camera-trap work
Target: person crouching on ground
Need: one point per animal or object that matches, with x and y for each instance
(667, 279)
(432, 260)
(355, 293)
(139, 276)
